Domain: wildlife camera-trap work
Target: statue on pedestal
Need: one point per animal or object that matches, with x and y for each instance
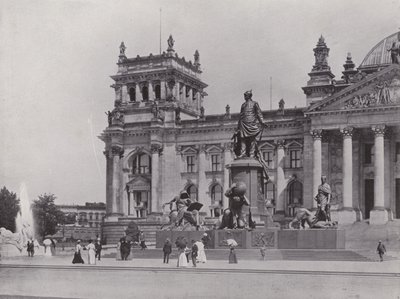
(185, 210)
(248, 129)
(323, 199)
(233, 217)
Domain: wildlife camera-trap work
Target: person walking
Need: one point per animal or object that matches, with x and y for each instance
(142, 240)
(125, 250)
(77, 255)
(194, 253)
(201, 255)
(91, 253)
(167, 249)
(98, 249)
(30, 248)
(381, 250)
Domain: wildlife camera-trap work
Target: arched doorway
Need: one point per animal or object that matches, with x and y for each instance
(216, 200)
(192, 191)
(295, 197)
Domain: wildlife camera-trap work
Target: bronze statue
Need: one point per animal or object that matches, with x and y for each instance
(323, 199)
(233, 217)
(109, 117)
(304, 216)
(248, 129)
(394, 52)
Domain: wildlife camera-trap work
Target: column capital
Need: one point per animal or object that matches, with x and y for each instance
(156, 148)
(227, 146)
(347, 132)
(379, 130)
(316, 133)
(202, 148)
(117, 151)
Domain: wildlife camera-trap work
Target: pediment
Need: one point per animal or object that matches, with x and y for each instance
(139, 183)
(213, 149)
(374, 91)
(189, 150)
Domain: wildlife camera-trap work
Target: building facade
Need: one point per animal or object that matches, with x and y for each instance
(89, 215)
(159, 140)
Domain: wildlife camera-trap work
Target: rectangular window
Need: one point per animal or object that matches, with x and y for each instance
(189, 163)
(268, 158)
(368, 153)
(215, 162)
(294, 158)
(397, 151)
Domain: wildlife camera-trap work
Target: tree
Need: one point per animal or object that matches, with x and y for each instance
(46, 215)
(9, 208)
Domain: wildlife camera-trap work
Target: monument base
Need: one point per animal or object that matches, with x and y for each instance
(378, 216)
(346, 216)
(311, 239)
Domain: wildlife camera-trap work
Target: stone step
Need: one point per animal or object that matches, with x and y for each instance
(254, 254)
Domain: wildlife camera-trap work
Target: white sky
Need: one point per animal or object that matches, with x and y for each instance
(56, 58)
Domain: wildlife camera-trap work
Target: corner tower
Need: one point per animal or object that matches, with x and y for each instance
(320, 84)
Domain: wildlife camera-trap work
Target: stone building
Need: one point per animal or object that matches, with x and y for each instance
(89, 215)
(159, 139)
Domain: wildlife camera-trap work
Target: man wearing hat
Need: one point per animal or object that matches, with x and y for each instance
(248, 129)
(381, 250)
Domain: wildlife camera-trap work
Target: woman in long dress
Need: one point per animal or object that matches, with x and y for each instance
(77, 256)
(118, 256)
(182, 259)
(232, 255)
(91, 253)
(201, 254)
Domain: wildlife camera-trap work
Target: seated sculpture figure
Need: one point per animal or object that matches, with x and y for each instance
(183, 210)
(233, 217)
(304, 216)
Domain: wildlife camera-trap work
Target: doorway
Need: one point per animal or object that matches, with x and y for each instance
(369, 196)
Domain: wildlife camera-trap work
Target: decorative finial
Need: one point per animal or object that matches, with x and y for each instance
(196, 58)
(170, 43)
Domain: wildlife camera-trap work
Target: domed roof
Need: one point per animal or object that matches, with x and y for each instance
(379, 55)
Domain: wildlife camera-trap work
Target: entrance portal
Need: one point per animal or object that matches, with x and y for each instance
(369, 196)
(398, 198)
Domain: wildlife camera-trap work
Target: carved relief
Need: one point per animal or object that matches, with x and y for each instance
(261, 239)
(384, 93)
(316, 134)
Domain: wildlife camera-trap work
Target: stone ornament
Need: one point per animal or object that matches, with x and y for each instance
(379, 130)
(347, 132)
(316, 134)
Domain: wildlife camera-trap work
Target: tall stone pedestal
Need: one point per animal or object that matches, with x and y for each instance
(378, 216)
(250, 172)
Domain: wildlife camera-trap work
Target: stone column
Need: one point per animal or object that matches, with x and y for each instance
(280, 177)
(124, 95)
(114, 156)
(138, 93)
(189, 100)
(155, 204)
(379, 214)
(202, 191)
(151, 91)
(162, 90)
(227, 161)
(317, 166)
(347, 214)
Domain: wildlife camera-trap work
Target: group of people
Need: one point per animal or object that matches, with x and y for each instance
(195, 252)
(93, 249)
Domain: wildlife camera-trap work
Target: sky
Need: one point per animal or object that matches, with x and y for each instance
(57, 56)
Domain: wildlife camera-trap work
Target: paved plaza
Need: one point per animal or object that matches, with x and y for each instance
(56, 277)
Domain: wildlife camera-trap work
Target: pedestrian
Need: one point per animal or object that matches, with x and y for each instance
(53, 246)
(182, 259)
(201, 255)
(262, 251)
(125, 250)
(194, 252)
(118, 255)
(98, 249)
(91, 253)
(381, 250)
(30, 248)
(205, 239)
(167, 249)
(77, 255)
(187, 253)
(142, 240)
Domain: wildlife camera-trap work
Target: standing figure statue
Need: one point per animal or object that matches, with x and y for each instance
(233, 217)
(323, 199)
(248, 129)
(394, 52)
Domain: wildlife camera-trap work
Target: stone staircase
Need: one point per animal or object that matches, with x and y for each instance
(254, 254)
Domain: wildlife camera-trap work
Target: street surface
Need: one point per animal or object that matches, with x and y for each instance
(150, 278)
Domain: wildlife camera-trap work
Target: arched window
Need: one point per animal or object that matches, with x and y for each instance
(157, 91)
(141, 164)
(145, 93)
(192, 191)
(296, 193)
(132, 94)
